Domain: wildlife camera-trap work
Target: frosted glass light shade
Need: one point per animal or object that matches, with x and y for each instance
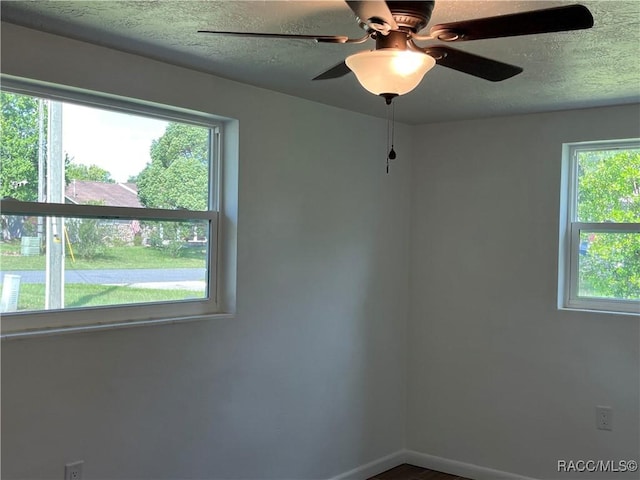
(389, 70)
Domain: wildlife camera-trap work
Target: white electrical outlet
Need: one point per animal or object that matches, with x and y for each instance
(73, 471)
(604, 418)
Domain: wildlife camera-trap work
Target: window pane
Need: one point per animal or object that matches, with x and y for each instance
(95, 262)
(609, 265)
(22, 125)
(101, 157)
(609, 186)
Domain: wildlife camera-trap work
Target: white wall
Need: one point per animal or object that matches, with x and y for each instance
(308, 380)
(498, 377)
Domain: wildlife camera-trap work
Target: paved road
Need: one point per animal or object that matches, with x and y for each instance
(128, 276)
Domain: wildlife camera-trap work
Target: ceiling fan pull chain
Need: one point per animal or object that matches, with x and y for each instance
(391, 124)
(388, 135)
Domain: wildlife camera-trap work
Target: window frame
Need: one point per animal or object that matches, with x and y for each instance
(16, 324)
(571, 228)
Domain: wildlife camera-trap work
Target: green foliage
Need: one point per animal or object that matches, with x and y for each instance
(182, 185)
(171, 237)
(29, 227)
(609, 186)
(612, 266)
(609, 191)
(92, 173)
(174, 233)
(19, 146)
(89, 238)
(181, 141)
(177, 176)
(19, 126)
(114, 258)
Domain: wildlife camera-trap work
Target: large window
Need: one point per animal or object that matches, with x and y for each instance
(600, 251)
(109, 211)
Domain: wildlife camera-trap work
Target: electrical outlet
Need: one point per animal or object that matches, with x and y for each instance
(604, 418)
(73, 471)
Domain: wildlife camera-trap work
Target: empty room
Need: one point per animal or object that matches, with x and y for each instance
(295, 240)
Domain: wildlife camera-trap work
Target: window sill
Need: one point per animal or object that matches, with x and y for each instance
(46, 332)
(596, 310)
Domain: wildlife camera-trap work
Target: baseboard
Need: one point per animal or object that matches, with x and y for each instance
(372, 468)
(455, 467)
(440, 464)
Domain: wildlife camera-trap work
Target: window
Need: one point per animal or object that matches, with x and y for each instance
(109, 210)
(600, 244)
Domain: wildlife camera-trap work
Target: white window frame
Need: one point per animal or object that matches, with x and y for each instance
(20, 324)
(571, 228)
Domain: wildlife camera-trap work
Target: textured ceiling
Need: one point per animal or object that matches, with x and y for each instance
(599, 66)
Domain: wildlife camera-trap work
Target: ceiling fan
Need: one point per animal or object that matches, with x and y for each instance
(397, 64)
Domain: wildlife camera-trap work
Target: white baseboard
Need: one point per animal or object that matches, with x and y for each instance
(440, 464)
(372, 468)
(455, 467)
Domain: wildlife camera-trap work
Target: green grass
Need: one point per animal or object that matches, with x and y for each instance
(32, 295)
(116, 258)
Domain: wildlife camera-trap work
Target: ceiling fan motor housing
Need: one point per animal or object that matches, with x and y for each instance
(396, 39)
(412, 15)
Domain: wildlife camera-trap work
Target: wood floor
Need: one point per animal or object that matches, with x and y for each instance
(411, 472)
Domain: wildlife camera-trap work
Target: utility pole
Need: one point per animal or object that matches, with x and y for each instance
(54, 297)
(41, 158)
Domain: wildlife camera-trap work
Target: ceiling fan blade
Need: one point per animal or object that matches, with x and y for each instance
(374, 13)
(558, 19)
(337, 71)
(317, 38)
(472, 64)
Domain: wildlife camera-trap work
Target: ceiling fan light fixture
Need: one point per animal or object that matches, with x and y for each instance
(389, 70)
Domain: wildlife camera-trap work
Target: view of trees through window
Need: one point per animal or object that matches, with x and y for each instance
(105, 159)
(608, 191)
